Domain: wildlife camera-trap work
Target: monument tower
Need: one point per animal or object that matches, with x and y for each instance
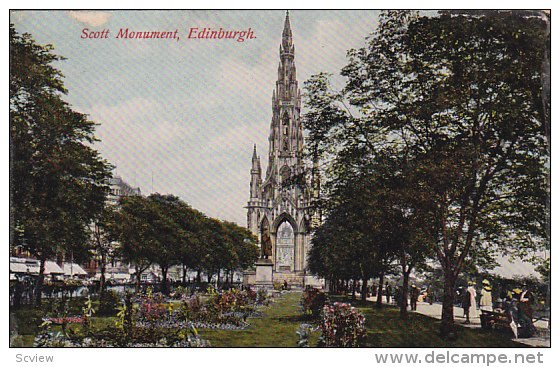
(279, 213)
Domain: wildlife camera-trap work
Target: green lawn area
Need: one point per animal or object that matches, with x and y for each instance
(280, 321)
(277, 327)
(385, 329)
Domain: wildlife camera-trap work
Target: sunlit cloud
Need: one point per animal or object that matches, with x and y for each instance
(91, 18)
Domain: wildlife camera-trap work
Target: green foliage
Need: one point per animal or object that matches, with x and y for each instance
(58, 182)
(108, 303)
(312, 301)
(163, 229)
(444, 116)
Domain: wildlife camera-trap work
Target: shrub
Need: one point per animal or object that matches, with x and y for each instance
(180, 292)
(251, 295)
(262, 296)
(152, 309)
(342, 326)
(108, 303)
(312, 301)
(191, 308)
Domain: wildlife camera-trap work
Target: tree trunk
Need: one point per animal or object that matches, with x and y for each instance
(364, 289)
(184, 275)
(137, 273)
(39, 282)
(103, 267)
(218, 278)
(379, 301)
(353, 290)
(164, 285)
(447, 321)
(404, 295)
(198, 276)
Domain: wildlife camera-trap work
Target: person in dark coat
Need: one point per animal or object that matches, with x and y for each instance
(525, 312)
(429, 295)
(414, 293)
(466, 305)
(388, 292)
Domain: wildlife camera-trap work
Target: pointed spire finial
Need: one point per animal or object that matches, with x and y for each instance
(255, 151)
(287, 28)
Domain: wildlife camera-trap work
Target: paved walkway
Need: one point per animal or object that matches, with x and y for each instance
(434, 310)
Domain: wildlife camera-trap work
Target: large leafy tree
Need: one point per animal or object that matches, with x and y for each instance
(456, 101)
(57, 180)
(244, 246)
(480, 144)
(189, 247)
(137, 237)
(169, 234)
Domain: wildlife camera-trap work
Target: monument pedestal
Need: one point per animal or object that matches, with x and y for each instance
(263, 273)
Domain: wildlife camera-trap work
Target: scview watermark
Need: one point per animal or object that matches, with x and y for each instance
(34, 358)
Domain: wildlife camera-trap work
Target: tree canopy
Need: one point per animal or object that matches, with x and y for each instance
(58, 182)
(448, 109)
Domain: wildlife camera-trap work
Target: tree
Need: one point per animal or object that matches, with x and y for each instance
(58, 182)
(244, 246)
(103, 243)
(484, 153)
(189, 248)
(135, 234)
(456, 100)
(168, 233)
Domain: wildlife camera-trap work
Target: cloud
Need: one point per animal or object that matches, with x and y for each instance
(91, 18)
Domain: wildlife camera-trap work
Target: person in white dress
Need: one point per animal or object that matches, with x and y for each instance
(473, 310)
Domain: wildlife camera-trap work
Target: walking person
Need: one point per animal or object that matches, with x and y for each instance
(466, 305)
(486, 296)
(430, 295)
(473, 311)
(414, 293)
(388, 292)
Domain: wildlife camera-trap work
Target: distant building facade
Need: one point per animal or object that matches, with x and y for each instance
(118, 188)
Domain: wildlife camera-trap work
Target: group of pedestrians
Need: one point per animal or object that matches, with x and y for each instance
(517, 304)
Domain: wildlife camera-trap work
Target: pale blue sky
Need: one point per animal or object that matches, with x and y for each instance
(189, 111)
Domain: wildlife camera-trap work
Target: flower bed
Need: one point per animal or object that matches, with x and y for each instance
(64, 320)
(151, 320)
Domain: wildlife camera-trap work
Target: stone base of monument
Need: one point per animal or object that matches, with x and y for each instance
(263, 273)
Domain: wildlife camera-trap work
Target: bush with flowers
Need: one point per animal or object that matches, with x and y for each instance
(342, 326)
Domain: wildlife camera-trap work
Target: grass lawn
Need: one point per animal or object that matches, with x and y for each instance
(277, 327)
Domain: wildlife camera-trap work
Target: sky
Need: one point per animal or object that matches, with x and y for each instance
(181, 117)
(188, 112)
